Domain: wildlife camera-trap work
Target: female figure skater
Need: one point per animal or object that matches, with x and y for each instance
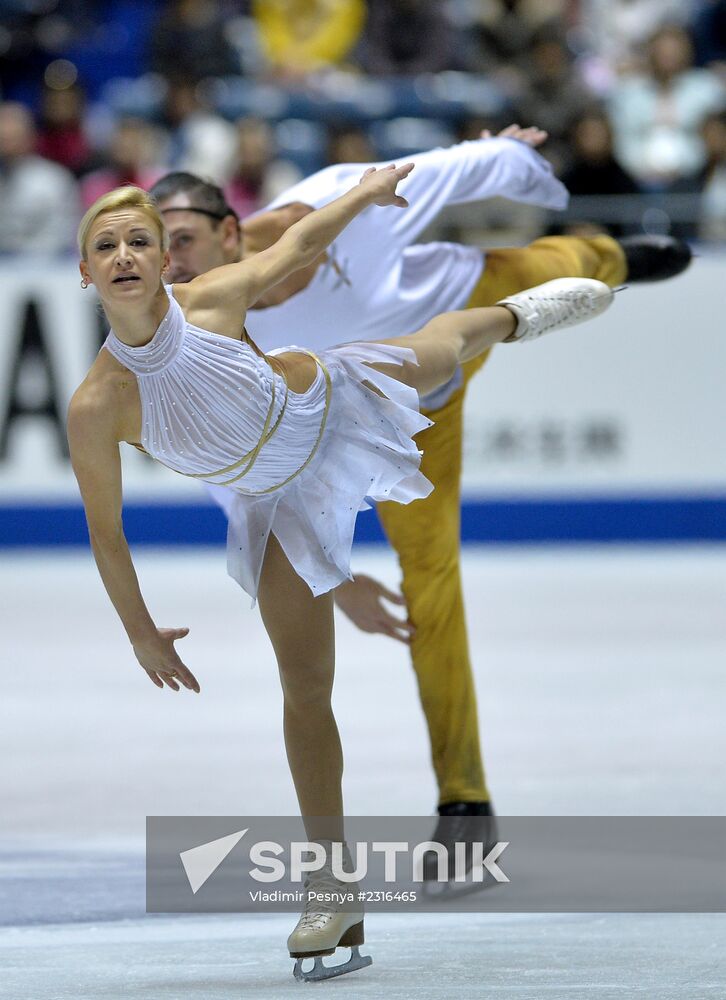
(302, 441)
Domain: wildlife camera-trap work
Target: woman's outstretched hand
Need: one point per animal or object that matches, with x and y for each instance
(381, 184)
(161, 661)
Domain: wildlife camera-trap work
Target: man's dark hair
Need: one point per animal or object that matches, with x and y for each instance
(206, 197)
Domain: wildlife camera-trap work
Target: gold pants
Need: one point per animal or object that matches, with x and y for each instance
(425, 534)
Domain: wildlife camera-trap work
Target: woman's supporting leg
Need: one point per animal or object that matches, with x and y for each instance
(301, 629)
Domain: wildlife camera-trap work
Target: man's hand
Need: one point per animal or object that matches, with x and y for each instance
(161, 661)
(380, 185)
(361, 600)
(531, 136)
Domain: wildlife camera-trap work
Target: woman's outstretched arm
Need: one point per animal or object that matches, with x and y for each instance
(239, 286)
(94, 447)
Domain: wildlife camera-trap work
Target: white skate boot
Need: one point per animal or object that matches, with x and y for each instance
(328, 923)
(556, 304)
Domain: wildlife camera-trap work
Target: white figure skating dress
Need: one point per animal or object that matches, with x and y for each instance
(298, 464)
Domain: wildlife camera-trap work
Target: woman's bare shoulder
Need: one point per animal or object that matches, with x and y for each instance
(104, 395)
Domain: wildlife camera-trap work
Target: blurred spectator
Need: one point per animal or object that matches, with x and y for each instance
(657, 116)
(554, 95)
(594, 169)
(349, 144)
(200, 141)
(62, 135)
(258, 175)
(406, 37)
(189, 42)
(302, 36)
(503, 30)
(133, 158)
(38, 199)
(617, 31)
(713, 204)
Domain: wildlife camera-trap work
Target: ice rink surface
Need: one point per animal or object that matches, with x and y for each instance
(602, 683)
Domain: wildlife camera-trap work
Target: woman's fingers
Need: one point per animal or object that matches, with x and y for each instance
(187, 678)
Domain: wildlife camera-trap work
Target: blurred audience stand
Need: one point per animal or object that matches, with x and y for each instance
(254, 94)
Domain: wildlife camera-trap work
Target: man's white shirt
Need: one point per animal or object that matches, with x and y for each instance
(378, 283)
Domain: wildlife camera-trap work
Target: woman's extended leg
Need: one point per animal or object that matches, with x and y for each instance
(456, 337)
(446, 342)
(301, 629)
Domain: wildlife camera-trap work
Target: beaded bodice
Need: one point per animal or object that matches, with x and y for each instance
(213, 409)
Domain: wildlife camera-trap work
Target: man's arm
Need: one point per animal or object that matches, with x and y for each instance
(504, 166)
(238, 286)
(260, 232)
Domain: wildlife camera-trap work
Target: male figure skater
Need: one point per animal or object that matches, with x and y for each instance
(375, 281)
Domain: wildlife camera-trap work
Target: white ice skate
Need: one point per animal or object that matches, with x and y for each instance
(556, 304)
(325, 925)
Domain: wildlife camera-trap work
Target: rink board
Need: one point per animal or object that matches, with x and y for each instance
(612, 432)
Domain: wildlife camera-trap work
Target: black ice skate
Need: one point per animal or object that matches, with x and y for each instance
(463, 823)
(655, 258)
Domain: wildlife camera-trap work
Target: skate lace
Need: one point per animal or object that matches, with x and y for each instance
(562, 307)
(318, 911)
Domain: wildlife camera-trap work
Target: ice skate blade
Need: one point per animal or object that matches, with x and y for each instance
(320, 972)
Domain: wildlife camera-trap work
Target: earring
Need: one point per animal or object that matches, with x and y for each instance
(84, 283)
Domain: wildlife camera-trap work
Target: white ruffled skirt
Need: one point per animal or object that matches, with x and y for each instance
(366, 452)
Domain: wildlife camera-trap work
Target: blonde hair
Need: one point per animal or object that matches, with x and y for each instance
(122, 197)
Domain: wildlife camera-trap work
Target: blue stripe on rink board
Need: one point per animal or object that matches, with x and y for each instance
(550, 520)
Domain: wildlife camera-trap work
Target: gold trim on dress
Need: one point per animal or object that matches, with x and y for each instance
(323, 422)
(267, 432)
(251, 456)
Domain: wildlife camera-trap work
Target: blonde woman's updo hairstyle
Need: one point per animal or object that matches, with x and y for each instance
(119, 198)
